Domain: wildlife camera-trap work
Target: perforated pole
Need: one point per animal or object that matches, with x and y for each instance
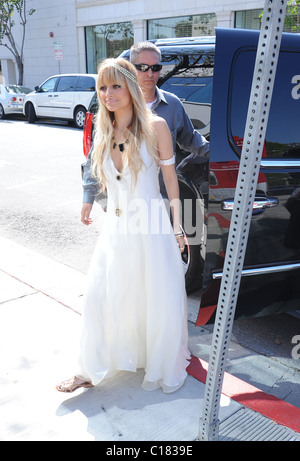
(254, 137)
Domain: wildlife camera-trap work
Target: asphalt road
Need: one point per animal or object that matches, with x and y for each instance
(41, 192)
(40, 202)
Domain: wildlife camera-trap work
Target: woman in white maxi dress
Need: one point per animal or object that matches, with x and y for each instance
(134, 313)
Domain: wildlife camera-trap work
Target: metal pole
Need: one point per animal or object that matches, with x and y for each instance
(254, 137)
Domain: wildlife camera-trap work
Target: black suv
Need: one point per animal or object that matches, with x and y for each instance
(212, 76)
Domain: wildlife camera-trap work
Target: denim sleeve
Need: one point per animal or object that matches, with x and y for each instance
(90, 184)
(183, 133)
(188, 138)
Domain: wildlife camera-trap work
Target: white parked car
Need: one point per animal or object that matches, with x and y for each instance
(64, 97)
(11, 99)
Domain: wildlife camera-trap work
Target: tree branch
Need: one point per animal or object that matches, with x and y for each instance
(7, 8)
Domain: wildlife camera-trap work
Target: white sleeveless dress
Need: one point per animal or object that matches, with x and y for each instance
(134, 312)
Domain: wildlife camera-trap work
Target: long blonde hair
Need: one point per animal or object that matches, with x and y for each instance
(140, 128)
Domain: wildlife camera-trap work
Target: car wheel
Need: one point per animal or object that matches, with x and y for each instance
(192, 256)
(31, 114)
(79, 117)
(193, 266)
(2, 114)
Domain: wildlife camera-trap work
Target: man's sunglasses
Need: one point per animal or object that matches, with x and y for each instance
(146, 67)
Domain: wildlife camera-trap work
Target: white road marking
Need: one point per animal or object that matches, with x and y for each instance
(29, 183)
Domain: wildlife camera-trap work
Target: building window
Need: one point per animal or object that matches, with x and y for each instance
(249, 19)
(183, 26)
(106, 41)
(292, 19)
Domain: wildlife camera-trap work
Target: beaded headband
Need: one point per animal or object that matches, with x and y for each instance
(125, 72)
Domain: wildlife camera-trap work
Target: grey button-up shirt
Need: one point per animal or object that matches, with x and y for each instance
(169, 107)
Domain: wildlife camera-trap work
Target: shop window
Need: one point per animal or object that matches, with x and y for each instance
(182, 26)
(249, 19)
(106, 41)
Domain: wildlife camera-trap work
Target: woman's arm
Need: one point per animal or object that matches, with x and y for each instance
(165, 152)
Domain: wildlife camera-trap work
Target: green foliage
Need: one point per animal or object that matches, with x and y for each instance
(7, 10)
(292, 16)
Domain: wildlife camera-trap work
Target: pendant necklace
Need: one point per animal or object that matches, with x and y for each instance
(121, 149)
(119, 175)
(121, 145)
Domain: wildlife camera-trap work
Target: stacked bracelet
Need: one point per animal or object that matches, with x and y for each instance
(179, 234)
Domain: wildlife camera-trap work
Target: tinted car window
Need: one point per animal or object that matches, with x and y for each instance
(18, 89)
(196, 89)
(189, 76)
(188, 73)
(282, 139)
(67, 83)
(85, 84)
(93, 107)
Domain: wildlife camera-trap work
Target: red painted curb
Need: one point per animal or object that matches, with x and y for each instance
(268, 405)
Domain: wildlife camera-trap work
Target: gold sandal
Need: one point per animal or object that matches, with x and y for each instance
(70, 385)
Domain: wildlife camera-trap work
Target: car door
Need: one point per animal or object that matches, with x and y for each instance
(63, 97)
(270, 280)
(44, 98)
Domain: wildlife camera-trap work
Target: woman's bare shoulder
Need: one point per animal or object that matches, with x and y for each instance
(159, 124)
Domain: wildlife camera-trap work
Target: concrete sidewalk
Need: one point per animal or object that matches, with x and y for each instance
(40, 303)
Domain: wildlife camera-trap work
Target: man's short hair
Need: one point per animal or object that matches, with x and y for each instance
(137, 48)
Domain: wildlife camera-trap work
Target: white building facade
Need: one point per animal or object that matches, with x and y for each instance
(64, 36)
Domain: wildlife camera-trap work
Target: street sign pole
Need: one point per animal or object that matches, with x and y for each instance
(254, 137)
(58, 53)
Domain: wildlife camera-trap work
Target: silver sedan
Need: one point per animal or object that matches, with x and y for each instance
(11, 99)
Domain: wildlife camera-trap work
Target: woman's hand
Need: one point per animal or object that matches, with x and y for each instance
(85, 214)
(180, 238)
(181, 244)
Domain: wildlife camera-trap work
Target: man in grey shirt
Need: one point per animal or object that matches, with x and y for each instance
(147, 57)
